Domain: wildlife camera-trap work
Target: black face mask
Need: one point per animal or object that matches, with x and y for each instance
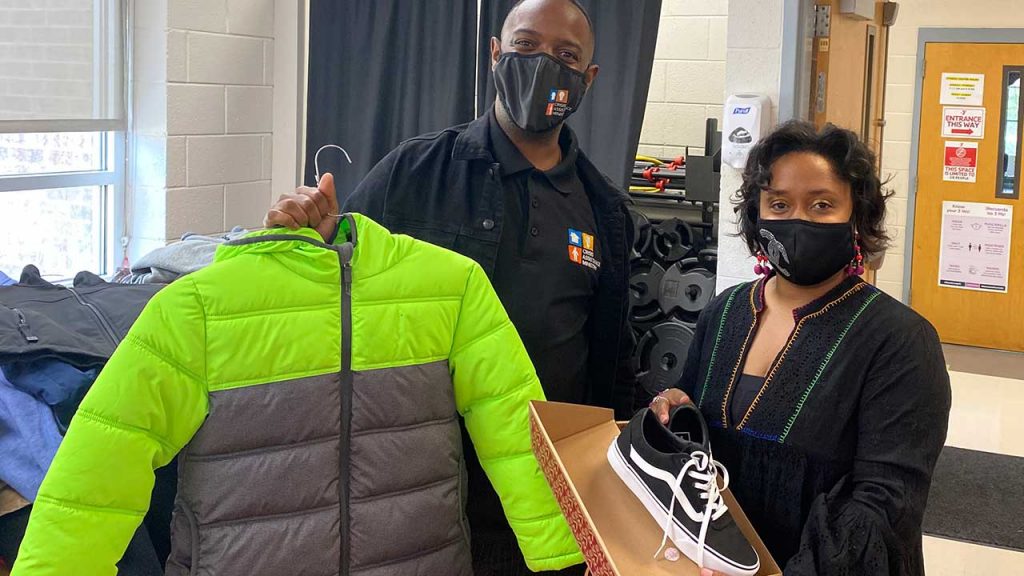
(806, 253)
(538, 91)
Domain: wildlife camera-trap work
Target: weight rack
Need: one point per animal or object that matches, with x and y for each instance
(674, 258)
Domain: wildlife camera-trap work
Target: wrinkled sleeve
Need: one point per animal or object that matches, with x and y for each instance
(869, 523)
(145, 406)
(494, 383)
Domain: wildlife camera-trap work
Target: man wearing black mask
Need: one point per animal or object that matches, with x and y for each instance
(513, 191)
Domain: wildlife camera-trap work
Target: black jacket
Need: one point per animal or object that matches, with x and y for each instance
(80, 324)
(445, 188)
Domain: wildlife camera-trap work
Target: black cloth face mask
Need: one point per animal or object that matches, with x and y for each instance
(806, 253)
(537, 90)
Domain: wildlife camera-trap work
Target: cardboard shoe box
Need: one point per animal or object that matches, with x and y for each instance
(615, 532)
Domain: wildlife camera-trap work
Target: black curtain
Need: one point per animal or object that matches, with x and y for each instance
(384, 71)
(609, 122)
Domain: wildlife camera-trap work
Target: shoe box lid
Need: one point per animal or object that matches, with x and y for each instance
(613, 529)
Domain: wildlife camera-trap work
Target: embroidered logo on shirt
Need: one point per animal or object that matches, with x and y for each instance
(581, 249)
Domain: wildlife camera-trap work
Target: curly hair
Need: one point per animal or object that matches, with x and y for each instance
(851, 160)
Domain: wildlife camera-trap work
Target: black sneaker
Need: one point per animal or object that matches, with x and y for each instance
(671, 471)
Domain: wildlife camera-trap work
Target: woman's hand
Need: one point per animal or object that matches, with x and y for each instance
(709, 572)
(664, 402)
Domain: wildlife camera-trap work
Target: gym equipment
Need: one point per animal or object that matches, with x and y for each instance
(686, 289)
(644, 289)
(661, 355)
(641, 234)
(673, 239)
(708, 259)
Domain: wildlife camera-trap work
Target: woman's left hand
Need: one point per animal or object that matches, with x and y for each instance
(709, 572)
(664, 402)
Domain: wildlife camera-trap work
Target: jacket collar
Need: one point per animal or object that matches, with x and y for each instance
(372, 248)
(472, 143)
(846, 288)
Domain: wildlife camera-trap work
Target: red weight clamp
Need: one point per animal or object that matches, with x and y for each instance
(677, 163)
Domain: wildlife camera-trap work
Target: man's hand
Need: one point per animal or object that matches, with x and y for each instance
(664, 402)
(316, 208)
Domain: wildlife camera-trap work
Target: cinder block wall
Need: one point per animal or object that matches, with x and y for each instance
(220, 94)
(688, 80)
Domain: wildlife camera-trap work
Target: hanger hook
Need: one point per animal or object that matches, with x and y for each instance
(316, 159)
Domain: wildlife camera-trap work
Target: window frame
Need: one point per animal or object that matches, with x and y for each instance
(112, 176)
(111, 181)
(1004, 109)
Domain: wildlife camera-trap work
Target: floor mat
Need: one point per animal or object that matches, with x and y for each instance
(977, 497)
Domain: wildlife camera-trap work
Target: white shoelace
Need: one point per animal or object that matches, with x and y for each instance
(703, 470)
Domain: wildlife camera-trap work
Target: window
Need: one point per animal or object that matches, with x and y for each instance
(62, 136)
(1008, 183)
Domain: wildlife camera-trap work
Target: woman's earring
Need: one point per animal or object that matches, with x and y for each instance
(761, 268)
(857, 264)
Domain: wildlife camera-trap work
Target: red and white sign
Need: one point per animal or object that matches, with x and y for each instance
(961, 162)
(963, 122)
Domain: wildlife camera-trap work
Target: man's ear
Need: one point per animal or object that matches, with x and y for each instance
(495, 52)
(591, 74)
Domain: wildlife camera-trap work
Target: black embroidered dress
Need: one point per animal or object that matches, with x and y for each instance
(832, 460)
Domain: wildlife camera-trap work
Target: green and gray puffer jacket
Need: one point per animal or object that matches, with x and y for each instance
(312, 395)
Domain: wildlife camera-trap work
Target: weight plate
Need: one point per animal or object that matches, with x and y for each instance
(661, 354)
(673, 239)
(686, 290)
(709, 259)
(641, 234)
(644, 286)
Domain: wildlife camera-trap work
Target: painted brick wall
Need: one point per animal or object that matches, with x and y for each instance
(220, 63)
(754, 56)
(688, 79)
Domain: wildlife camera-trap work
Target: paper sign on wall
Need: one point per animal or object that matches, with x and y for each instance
(961, 162)
(975, 250)
(960, 122)
(962, 89)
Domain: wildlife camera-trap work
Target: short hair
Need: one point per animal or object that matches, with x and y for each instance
(576, 3)
(851, 160)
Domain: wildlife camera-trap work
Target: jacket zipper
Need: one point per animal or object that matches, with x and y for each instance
(346, 412)
(24, 328)
(99, 317)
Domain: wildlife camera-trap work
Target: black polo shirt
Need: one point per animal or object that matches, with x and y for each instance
(546, 270)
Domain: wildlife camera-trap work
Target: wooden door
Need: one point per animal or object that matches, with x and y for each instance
(964, 297)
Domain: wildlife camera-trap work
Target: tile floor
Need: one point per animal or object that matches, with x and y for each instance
(987, 414)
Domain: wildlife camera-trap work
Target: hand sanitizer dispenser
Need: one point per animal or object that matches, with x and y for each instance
(746, 120)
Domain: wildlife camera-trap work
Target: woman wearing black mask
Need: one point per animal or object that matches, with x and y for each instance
(827, 400)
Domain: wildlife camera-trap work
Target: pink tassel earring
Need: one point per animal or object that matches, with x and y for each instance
(761, 268)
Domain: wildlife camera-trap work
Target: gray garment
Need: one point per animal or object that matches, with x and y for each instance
(167, 264)
(262, 476)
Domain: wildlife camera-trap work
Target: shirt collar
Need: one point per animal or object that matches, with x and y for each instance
(505, 152)
(845, 288)
(561, 176)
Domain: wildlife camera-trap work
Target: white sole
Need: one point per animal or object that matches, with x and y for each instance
(686, 542)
